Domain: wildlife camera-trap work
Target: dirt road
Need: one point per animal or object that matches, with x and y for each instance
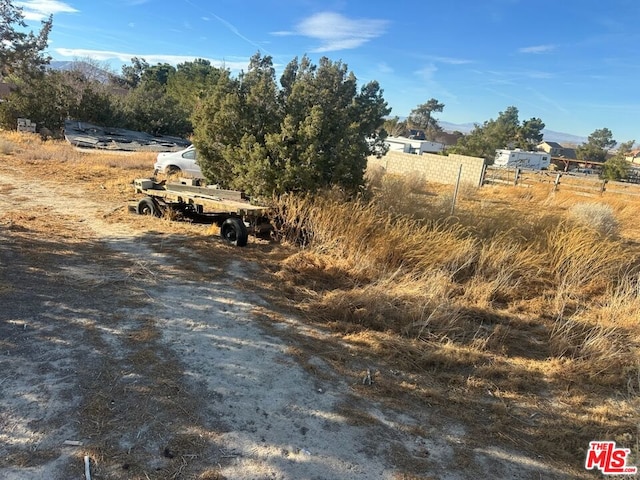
(157, 358)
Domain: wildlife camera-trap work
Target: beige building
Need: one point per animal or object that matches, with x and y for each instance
(552, 148)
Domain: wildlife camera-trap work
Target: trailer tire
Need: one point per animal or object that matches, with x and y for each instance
(147, 206)
(233, 231)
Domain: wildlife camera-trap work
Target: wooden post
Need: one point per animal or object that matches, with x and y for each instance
(556, 182)
(455, 192)
(517, 175)
(603, 187)
(482, 174)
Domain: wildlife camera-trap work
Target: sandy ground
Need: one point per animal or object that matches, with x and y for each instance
(162, 362)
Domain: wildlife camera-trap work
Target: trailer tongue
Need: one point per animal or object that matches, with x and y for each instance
(230, 209)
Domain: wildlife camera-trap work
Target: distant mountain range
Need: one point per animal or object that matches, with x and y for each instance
(564, 139)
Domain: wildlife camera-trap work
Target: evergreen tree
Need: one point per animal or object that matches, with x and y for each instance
(503, 132)
(21, 52)
(597, 146)
(422, 117)
(314, 131)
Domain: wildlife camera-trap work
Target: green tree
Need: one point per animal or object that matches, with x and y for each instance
(20, 52)
(53, 96)
(530, 134)
(314, 131)
(503, 132)
(148, 108)
(132, 74)
(45, 99)
(191, 81)
(597, 146)
(617, 167)
(422, 117)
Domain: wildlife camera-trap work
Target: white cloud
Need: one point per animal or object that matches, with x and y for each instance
(36, 10)
(427, 72)
(336, 32)
(536, 49)
(451, 60)
(152, 59)
(384, 67)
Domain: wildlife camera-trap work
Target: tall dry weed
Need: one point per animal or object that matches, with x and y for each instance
(604, 338)
(583, 263)
(372, 239)
(505, 269)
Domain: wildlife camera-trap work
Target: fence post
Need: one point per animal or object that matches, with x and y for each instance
(517, 175)
(455, 192)
(556, 182)
(483, 173)
(603, 187)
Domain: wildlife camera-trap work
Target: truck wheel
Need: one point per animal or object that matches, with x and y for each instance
(147, 206)
(234, 232)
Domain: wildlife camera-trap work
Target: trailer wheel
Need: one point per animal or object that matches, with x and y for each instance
(234, 232)
(147, 206)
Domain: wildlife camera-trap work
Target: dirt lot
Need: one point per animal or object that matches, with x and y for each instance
(159, 350)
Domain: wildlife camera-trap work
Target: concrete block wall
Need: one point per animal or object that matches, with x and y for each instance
(432, 167)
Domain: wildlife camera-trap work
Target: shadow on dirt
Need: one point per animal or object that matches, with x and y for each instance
(150, 353)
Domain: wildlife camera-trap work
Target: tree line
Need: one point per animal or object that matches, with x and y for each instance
(311, 128)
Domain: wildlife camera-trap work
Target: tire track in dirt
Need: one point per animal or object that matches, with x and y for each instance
(263, 414)
(153, 357)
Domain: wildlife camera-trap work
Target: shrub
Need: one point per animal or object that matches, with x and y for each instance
(6, 147)
(597, 216)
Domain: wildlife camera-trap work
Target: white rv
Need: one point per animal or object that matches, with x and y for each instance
(521, 159)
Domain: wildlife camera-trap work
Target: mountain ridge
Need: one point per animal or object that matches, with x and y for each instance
(564, 139)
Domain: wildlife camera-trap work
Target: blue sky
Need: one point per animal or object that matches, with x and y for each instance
(574, 64)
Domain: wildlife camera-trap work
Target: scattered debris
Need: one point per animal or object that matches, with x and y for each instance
(367, 380)
(87, 135)
(72, 443)
(87, 468)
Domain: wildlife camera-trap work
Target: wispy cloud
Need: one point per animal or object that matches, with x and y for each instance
(450, 60)
(429, 83)
(337, 32)
(104, 55)
(384, 67)
(512, 77)
(548, 101)
(231, 27)
(427, 72)
(537, 49)
(35, 10)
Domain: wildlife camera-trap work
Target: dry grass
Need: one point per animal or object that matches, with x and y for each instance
(518, 315)
(57, 158)
(522, 293)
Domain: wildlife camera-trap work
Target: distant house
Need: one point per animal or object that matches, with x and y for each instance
(417, 134)
(569, 153)
(410, 145)
(633, 156)
(552, 148)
